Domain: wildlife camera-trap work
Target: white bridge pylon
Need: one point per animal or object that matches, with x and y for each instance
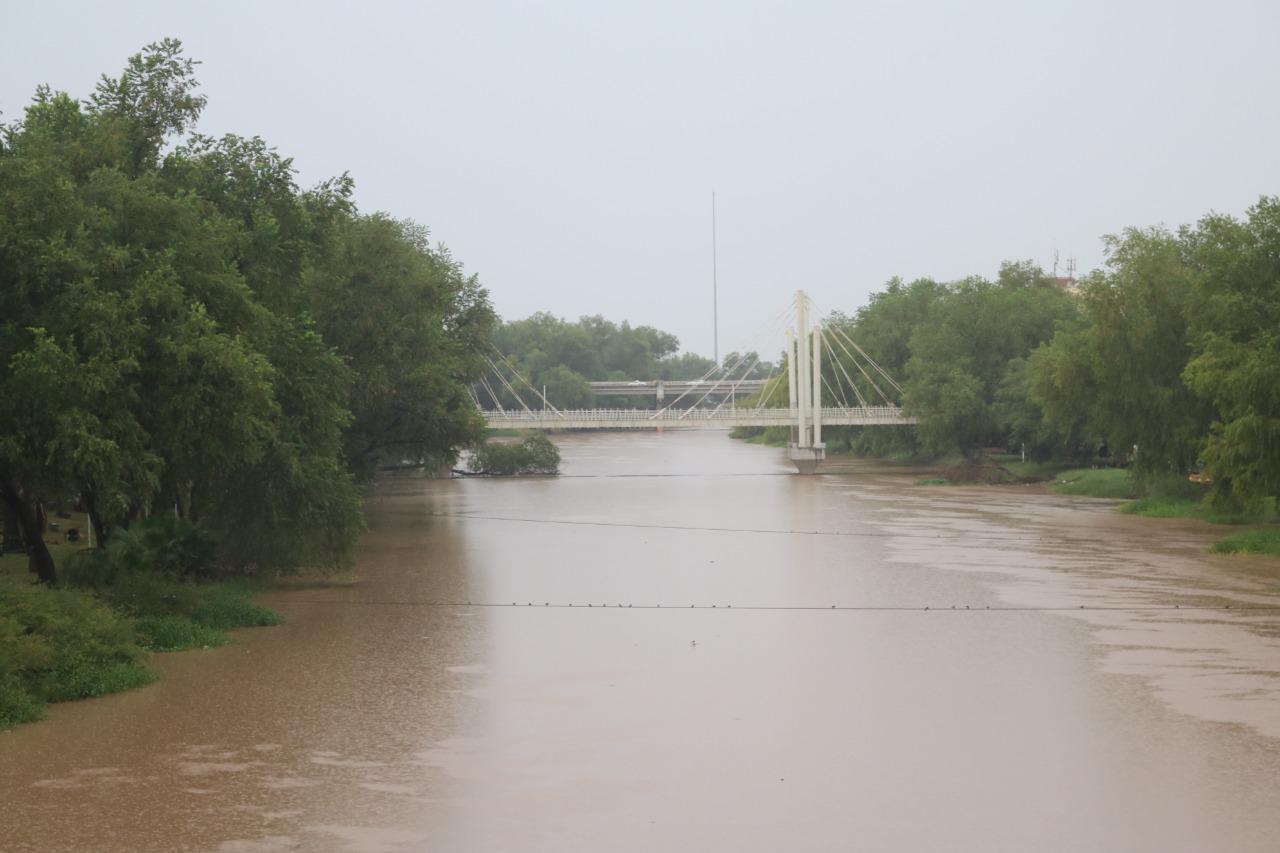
(807, 414)
(804, 378)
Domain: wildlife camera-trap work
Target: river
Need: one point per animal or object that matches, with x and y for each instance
(1076, 683)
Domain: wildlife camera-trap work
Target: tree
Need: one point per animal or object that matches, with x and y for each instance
(1123, 370)
(197, 335)
(1235, 327)
(151, 100)
(411, 326)
(960, 355)
(533, 455)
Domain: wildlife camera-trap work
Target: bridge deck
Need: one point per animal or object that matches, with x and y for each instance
(672, 388)
(724, 418)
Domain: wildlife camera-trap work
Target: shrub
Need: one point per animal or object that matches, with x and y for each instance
(16, 704)
(162, 545)
(535, 455)
(58, 644)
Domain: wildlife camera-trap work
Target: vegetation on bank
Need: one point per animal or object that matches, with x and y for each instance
(1256, 541)
(535, 454)
(184, 330)
(1095, 483)
(60, 644)
(1166, 361)
(151, 589)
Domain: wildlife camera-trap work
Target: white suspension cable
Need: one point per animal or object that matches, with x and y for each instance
(768, 327)
(864, 373)
(520, 376)
(853, 386)
(765, 390)
(503, 379)
(734, 389)
(888, 378)
(489, 388)
(710, 390)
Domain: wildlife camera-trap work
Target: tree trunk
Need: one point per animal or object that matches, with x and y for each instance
(13, 543)
(100, 530)
(28, 511)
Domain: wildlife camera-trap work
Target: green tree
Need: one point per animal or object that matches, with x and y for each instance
(1235, 327)
(961, 354)
(195, 334)
(1123, 370)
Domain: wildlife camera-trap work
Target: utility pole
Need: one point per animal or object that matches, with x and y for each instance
(715, 296)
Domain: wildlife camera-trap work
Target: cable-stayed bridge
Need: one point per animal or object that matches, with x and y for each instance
(689, 418)
(855, 390)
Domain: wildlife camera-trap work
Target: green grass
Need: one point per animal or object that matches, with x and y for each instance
(1257, 541)
(1095, 483)
(1031, 469)
(229, 605)
(1263, 540)
(1166, 507)
(73, 642)
(171, 633)
(934, 481)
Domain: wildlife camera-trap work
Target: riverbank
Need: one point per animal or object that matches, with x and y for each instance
(73, 642)
(1168, 498)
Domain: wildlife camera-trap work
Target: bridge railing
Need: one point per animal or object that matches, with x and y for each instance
(676, 416)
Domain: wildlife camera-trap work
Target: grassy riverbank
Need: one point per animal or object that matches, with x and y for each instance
(1169, 497)
(1175, 498)
(84, 639)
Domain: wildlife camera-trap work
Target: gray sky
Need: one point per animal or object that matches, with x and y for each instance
(566, 152)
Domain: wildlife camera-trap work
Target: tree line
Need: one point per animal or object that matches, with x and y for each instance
(564, 357)
(1166, 360)
(183, 329)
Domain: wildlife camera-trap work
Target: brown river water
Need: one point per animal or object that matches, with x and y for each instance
(1091, 690)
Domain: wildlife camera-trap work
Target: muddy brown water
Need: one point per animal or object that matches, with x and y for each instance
(378, 719)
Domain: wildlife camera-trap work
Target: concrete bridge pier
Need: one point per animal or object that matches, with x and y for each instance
(806, 459)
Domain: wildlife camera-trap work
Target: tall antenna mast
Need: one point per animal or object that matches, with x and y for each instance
(715, 286)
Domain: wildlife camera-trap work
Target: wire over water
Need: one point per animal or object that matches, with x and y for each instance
(850, 608)
(763, 530)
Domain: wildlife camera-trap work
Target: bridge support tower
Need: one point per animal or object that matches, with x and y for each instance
(804, 373)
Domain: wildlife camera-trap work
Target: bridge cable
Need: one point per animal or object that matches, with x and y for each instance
(837, 395)
(854, 360)
(765, 390)
(840, 366)
(841, 334)
(748, 355)
(520, 376)
(839, 369)
(493, 395)
(767, 326)
(884, 373)
(514, 392)
(734, 389)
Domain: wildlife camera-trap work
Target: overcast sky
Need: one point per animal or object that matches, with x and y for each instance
(567, 152)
